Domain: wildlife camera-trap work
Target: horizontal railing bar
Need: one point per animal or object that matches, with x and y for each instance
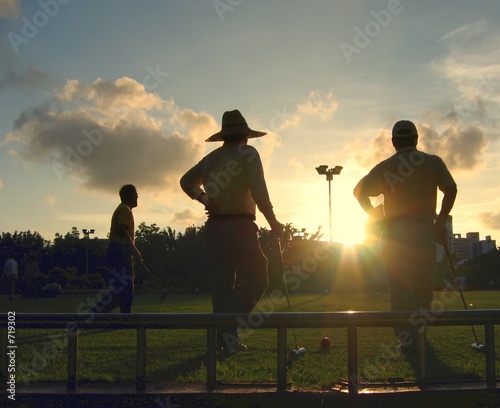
(282, 321)
(269, 320)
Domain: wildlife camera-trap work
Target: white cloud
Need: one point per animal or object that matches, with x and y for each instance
(472, 67)
(367, 154)
(50, 200)
(296, 166)
(198, 126)
(10, 8)
(322, 106)
(108, 95)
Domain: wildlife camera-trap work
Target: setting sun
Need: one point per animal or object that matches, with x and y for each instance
(310, 209)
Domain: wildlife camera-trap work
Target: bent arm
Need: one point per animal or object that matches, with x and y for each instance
(450, 194)
(191, 183)
(363, 197)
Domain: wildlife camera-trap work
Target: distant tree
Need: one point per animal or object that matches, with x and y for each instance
(68, 251)
(191, 258)
(176, 259)
(271, 250)
(482, 272)
(21, 244)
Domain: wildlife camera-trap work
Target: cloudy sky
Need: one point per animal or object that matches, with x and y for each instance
(98, 94)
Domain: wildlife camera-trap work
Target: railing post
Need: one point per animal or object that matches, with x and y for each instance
(72, 360)
(366, 319)
(489, 334)
(140, 382)
(352, 358)
(211, 358)
(281, 358)
(422, 361)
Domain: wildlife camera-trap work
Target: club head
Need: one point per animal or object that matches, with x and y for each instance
(166, 293)
(477, 346)
(299, 351)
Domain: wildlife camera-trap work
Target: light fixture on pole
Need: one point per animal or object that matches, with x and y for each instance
(329, 173)
(86, 235)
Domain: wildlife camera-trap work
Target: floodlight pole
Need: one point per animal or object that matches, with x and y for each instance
(86, 235)
(329, 173)
(329, 177)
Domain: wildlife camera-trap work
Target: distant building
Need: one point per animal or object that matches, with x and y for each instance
(487, 245)
(471, 246)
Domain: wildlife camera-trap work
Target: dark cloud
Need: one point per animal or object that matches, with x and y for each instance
(105, 148)
(186, 216)
(74, 144)
(490, 220)
(29, 78)
(461, 148)
(15, 73)
(467, 108)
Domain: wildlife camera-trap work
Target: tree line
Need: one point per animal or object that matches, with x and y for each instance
(75, 261)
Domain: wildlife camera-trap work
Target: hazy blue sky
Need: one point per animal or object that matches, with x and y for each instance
(95, 94)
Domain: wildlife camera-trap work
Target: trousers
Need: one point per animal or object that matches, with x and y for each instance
(121, 283)
(238, 269)
(409, 255)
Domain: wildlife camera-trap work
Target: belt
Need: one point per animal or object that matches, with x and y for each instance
(231, 216)
(411, 218)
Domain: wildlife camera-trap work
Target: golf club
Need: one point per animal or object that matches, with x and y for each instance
(298, 351)
(165, 292)
(476, 346)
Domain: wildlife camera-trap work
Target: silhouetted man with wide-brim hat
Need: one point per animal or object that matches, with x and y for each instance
(230, 183)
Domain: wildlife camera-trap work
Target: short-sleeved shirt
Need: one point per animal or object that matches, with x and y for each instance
(122, 216)
(233, 178)
(409, 181)
(10, 267)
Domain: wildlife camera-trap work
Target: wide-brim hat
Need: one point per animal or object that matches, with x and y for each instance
(404, 128)
(233, 123)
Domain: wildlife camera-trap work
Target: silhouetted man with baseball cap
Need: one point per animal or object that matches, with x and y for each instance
(409, 181)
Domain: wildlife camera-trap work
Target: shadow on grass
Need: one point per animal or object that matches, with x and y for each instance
(183, 369)
(34, 338)
(441, 372)
(298, 306)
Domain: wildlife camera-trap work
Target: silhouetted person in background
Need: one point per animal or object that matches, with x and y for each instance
(120, 254)
(233, 184)
(409, 181)
(10, 275)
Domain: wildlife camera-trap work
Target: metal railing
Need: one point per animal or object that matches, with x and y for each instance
(280, 321)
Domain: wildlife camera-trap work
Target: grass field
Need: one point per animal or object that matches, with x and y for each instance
(179, 355)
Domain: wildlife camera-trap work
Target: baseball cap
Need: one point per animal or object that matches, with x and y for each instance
(404, 128)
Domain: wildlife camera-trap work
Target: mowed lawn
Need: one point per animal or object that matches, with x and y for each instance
(180, 355)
